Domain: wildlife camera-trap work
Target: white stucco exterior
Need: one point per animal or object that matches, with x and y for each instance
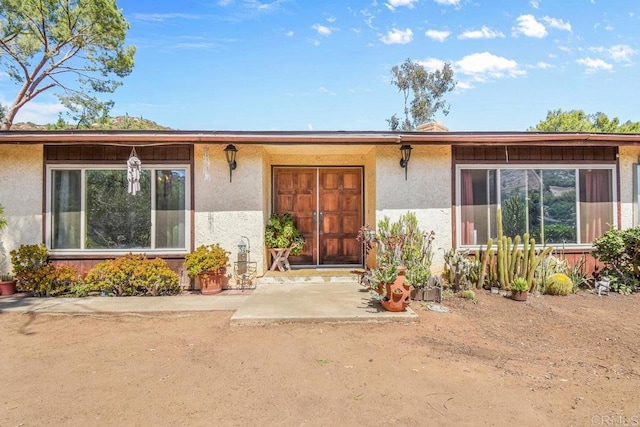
(21, 181)
(629, 158)
(426, 192)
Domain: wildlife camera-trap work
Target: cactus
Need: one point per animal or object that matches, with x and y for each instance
(485, 259)
(558, 284)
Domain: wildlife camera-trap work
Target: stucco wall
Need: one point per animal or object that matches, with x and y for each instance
(21, 169)
(426, 192)
(225, 211)
(628, 209)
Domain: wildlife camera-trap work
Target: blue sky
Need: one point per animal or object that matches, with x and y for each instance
(325, 65)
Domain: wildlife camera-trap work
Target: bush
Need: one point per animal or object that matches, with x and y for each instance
(281, 232)
(134, 275)
(619, 251)
(558, 284)
(35, 274)
(206, 258)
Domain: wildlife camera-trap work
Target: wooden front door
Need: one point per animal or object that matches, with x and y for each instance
(328, 206)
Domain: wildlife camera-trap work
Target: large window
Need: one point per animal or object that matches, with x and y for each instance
(91, 209)
(555, 205)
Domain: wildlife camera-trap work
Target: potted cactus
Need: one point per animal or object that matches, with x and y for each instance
(519, 289)
(209, 264)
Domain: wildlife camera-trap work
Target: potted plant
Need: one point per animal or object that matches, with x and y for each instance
(209, 264)
(519, 289)
(7, 285)
(282, 238)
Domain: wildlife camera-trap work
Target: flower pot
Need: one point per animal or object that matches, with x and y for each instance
(398, 295)
(211, 282)
(7, 287)
(417, 294)
(519, 295)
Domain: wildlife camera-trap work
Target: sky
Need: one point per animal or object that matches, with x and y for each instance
(325, 65)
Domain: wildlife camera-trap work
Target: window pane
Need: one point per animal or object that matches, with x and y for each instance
(596, 203)
(170, 208)
(115, 219)
(514, 199)
(559, 201)
(478, 205)
(65, 209)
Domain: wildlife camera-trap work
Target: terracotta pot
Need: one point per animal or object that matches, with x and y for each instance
(519, 295)
(8, 287)
(211, 282)
(398, 295)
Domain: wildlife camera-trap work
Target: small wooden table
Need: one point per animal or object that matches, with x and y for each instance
(280, 258)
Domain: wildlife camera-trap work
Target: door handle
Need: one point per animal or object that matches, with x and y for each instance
(315, 219)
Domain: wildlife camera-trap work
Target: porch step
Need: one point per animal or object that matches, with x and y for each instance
(309, 276)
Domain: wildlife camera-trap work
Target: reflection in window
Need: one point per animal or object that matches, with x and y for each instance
(541, 202)
(92, 209)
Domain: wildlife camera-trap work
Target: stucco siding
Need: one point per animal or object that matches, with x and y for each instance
(628, 205)
(426, 192)
(21, 184)
(225, 211)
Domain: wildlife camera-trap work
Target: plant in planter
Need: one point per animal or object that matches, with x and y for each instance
(209, 264)
(519, 289)
(282, 238)
(7, 285)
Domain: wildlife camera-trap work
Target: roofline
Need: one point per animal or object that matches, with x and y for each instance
(165, 137)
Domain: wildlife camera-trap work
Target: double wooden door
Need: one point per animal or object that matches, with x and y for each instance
(327, 204)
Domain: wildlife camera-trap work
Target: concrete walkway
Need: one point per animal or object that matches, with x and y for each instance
(314, 302)
(268, 303)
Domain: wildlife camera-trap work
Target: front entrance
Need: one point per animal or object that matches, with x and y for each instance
(327, 203)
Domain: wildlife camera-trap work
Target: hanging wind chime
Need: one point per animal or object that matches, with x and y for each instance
(134, 167)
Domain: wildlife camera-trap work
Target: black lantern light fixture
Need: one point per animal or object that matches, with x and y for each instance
(406, 155)
(230, 153)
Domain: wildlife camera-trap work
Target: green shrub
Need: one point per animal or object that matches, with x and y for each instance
(281, 232)
(468, 294)
(558, 284)
(35, 274)
(206, 258)
(619, 251)
(134, 275)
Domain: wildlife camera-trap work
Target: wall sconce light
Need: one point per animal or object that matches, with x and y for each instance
(406, 155)
(230, 153)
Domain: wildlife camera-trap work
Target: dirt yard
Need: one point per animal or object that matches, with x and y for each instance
(550, 361)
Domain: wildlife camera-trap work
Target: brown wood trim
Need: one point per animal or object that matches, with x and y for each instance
(104, 154)
(534, 154)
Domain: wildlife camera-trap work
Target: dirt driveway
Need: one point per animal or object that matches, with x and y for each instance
(551, 361)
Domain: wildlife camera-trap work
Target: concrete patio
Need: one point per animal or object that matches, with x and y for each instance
(270, 302)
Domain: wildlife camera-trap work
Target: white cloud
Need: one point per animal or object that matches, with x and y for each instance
(331, 19)
(327, 91)
(622, 52)
(530, 27)
(397, 36)
(289, 33)
(486, 65)
(322, 30)
(448, 2)
(39, 112)
(309, 126)
(161, 17)
(592, 65)
(315, 42)
(437, 35)
(534, 4)
(461, 85)
(543, 65)
(556, 23)
(399, 3)
(483, 33)
(432, 64)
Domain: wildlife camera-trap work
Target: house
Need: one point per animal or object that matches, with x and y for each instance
(69, 189)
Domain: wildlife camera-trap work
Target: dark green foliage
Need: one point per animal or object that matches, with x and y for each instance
(579, 121)
(281, 232)
(423, 93)
(619, 250)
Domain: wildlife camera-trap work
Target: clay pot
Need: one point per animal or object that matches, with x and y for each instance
(519, 295)
(211, 282)
(398, 295)
(8, 287)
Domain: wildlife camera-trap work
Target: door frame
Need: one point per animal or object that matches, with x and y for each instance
(317, 225)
